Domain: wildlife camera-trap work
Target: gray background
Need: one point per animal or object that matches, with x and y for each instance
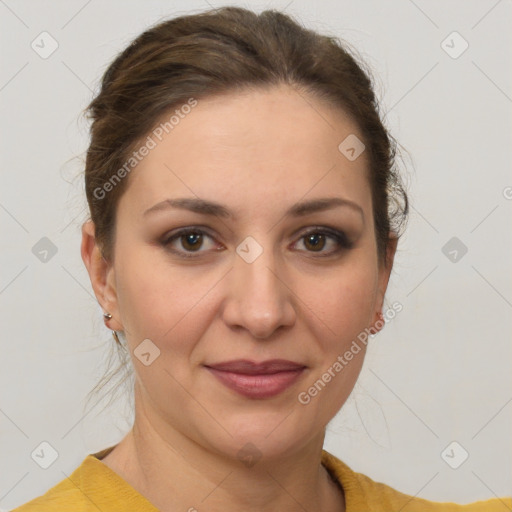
(438, 373)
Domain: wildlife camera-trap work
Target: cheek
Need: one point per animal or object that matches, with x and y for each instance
(343, 305)
(342, 311)
(164, 303)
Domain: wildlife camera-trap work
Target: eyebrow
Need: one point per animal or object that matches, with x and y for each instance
(206, 207)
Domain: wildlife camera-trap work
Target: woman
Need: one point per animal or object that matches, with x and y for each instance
(245, 213)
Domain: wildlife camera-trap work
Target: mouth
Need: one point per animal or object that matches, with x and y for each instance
(257, 380)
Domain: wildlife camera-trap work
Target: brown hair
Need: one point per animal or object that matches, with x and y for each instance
(217, 52)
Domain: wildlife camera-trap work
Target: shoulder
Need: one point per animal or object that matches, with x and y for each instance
(91, 487)
(363, 494)
(63, 496)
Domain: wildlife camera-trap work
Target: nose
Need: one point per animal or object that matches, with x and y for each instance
(258, 297)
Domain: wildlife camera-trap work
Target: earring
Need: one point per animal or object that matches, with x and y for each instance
(116, 338)
(108, 316)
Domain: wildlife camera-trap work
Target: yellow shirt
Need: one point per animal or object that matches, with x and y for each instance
(94, 487)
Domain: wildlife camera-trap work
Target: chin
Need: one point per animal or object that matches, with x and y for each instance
(261, 436)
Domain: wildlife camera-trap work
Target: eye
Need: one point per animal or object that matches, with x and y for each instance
(190, 239)
(317, 239)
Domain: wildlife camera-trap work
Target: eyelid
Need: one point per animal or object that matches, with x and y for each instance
(186, 229)
(326, 229)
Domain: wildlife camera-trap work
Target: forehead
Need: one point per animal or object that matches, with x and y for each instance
(277, 145)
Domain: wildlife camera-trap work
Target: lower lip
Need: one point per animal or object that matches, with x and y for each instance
(258, 386)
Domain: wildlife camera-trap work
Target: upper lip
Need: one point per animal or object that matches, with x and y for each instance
(247, 367)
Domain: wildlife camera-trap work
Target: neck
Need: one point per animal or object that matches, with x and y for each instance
(175, 473)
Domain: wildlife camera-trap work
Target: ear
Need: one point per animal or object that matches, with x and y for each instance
(101, 274)
(383, 280)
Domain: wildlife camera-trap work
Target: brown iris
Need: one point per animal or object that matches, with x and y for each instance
(317, 241)
(191, 241)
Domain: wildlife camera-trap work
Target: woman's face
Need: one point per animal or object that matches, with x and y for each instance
(269, 276)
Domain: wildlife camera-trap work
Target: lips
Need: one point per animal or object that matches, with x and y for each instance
(257, 380)
(247, 367)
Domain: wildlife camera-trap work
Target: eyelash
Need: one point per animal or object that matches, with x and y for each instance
(338, 236)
